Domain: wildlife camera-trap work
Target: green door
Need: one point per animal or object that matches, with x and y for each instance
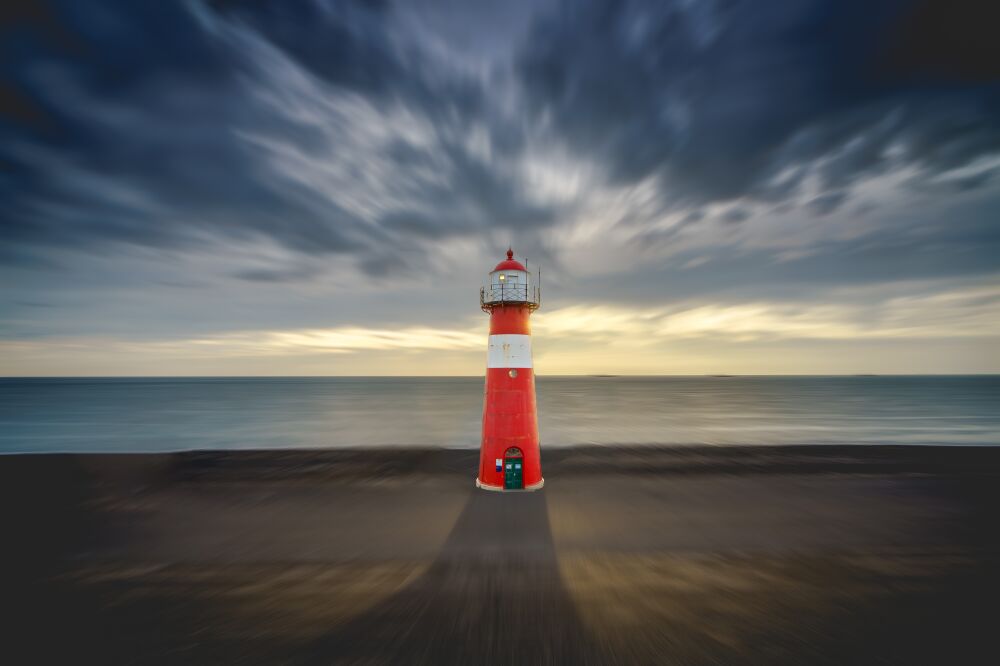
(513, 475)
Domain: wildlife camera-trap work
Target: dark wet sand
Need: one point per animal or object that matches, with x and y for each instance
(826, 555)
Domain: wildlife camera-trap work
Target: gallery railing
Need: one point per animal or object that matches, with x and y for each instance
(499, 294)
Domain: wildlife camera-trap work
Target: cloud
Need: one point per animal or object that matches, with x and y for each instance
(726, 100)
(689, 337)
(195, 168)
(956, 313)
(316, 126)
(350, 130)
(735, 215)
(827, 203)
(335, 341)
(301, 343)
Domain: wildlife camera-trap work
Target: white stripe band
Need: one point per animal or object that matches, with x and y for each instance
(509, 351)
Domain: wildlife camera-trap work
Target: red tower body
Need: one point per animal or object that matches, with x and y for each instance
(509, 456)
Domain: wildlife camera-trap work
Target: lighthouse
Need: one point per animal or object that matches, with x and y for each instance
(509, 457)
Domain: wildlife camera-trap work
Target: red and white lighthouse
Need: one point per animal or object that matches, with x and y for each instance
(509, 457)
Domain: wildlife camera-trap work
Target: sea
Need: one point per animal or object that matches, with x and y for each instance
(171, 414)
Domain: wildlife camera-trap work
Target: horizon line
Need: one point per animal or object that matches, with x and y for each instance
(719, 375)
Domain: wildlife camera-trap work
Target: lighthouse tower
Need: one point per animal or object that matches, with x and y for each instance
(509, 457)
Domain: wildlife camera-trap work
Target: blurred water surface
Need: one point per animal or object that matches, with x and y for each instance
(166, 414)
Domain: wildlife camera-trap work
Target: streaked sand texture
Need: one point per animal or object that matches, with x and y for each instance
(792, 555)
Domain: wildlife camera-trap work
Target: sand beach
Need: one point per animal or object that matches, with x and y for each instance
(687, 555)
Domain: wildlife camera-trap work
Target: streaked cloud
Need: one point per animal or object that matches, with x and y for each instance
(968, 312)
(961, 313)
(342, 341)
(335, 178)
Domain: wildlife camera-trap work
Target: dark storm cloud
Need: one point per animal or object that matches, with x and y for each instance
(129, 122)
(351, 46)
(964, 249)
(277, 275)
(195, 124)
(827, 203)
(478, 200)
(137, 143)
(735, 215)
(728, 99)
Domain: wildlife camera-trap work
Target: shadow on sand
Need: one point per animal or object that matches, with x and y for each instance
(493, 595)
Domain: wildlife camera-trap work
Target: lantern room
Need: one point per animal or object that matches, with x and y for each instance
(510, 282)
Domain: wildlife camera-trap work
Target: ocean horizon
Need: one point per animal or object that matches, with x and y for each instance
(162, 414)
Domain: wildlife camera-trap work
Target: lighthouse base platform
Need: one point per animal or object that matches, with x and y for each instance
(501, 489)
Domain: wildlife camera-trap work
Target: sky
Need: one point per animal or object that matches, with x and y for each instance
(320, 187)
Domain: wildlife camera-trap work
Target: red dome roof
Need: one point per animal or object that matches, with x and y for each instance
(510, 264)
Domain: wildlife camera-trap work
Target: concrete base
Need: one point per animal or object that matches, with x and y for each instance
(501, 489)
